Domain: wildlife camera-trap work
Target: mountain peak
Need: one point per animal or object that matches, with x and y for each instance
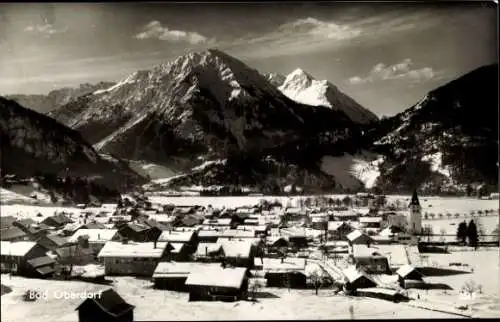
(300, 86)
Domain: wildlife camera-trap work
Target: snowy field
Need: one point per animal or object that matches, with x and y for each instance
(165, 305)
(486, 272)
(429, 204)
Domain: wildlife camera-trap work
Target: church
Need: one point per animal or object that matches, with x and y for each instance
(414, 219)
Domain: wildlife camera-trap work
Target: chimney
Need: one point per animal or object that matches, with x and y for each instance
(282, 260)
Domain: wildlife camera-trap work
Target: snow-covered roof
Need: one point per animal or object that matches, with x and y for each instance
(133, 249)
(405, 270)
(95, 235)
(179, 269)
(365, 251)
(19, 248)
(352, 236)
(236, 233)
(289, 264)
(238, 248)
(176, 236)
(209, 233)
(370, 219)
(217, 276)
(352, 274)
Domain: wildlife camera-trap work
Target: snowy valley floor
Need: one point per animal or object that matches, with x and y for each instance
(275, 303)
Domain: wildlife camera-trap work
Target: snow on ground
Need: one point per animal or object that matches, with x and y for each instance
(209, 163)
(11, 197)
(449, 226)
(438, 204)
(350, 171)
(486, 272)
(31, 211)
(166, 305)
(436, 163)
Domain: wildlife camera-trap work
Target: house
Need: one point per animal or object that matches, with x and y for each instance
(355, 279)
(283, 272)
(357, 237)
(370, 259)
(57, 221)
(209, 252)
(238, 253)
(188, 220)
(42, 266)
(370, 222)
(32, 228)
(15, 257)
(172, 275)
(105, 306)
(153, 223)
(395, 253)
(408, 273)
(189, 238)
(276, 242)
(13, 234)
(132, 258)
(213, 283)
(338, 230)
(52, 242)
(139, 233)
(96, 238)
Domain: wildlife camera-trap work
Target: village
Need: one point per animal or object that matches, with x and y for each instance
(359, 246)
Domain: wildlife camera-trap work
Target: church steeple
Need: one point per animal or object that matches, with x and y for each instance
(414, 199)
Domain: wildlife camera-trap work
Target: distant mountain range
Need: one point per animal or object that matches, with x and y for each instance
(222, 122)
(58, 97)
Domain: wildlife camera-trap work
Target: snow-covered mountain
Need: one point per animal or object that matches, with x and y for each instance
(447, 140)
(34, 144)
(57, 97)
(303, 88)
(199, 107)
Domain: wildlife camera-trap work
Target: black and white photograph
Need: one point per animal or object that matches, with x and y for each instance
(195, 161)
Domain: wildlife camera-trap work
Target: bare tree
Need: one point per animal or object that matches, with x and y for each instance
(317, 277)
(470, 287)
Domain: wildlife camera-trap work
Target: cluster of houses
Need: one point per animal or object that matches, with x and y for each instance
(210, 253)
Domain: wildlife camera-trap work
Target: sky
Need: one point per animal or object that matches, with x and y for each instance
(386, 56)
